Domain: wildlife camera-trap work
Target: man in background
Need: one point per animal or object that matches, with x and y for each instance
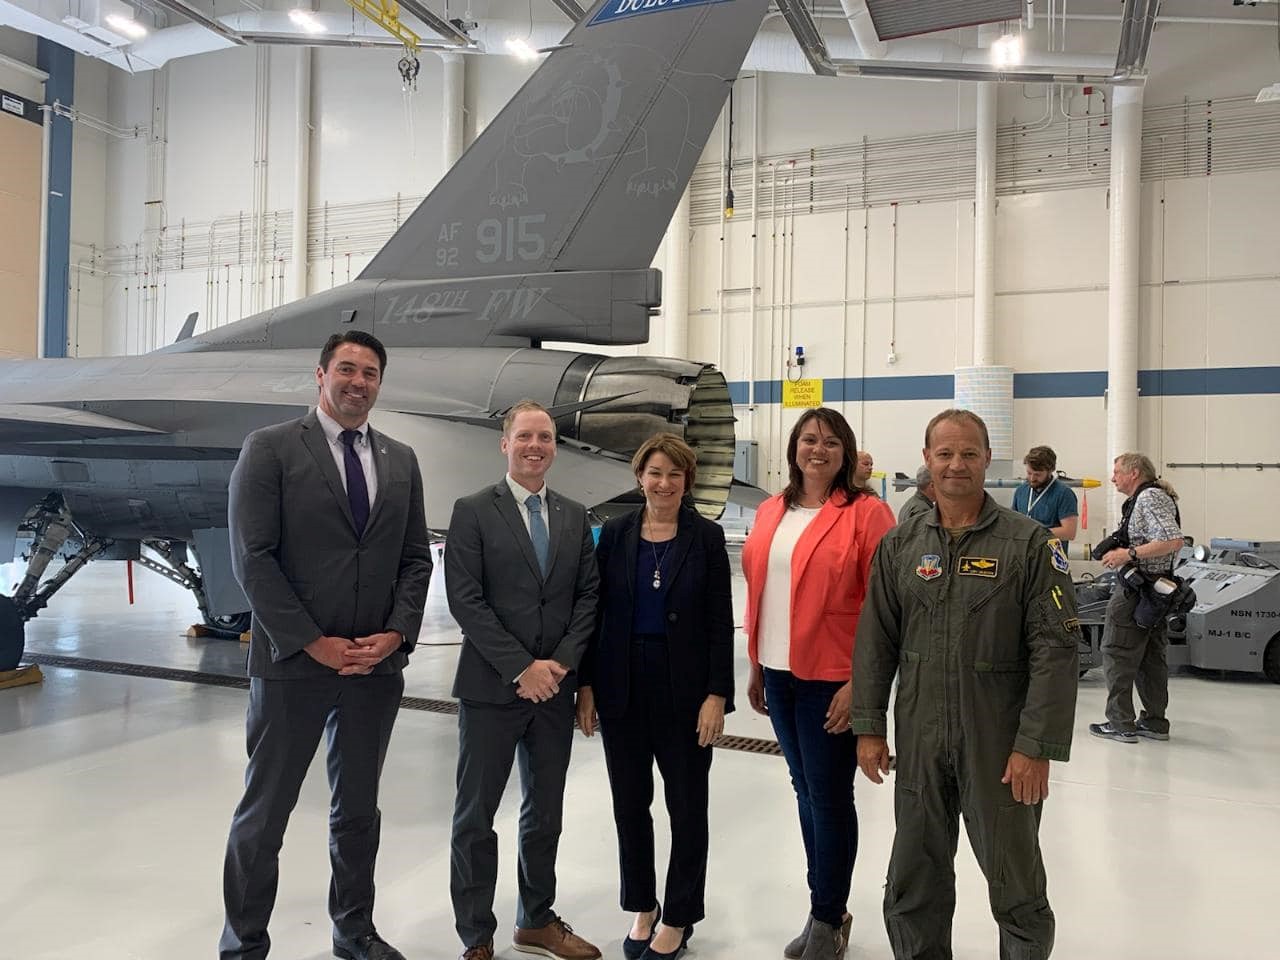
(922, 500)
(1044, 498)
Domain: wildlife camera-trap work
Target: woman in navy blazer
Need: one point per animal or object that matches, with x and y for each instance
(659, 673)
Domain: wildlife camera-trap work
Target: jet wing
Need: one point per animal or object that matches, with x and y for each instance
(457, 459)
(34, 422)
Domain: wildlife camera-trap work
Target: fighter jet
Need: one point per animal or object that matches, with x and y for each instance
(544, 230)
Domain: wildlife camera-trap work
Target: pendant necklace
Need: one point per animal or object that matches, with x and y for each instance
(658, 561)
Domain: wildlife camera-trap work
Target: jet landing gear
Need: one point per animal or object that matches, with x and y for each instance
(54, 532)
(51, 527)
(176, 569)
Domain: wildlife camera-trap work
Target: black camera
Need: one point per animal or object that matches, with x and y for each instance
(1105, 546)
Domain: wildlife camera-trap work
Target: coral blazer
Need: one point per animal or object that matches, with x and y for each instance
(829, 570)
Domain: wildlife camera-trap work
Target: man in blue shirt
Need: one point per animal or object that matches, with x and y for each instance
(1044, 498)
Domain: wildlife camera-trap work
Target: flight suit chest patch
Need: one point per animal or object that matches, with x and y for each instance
(930, 567)
(988, 567)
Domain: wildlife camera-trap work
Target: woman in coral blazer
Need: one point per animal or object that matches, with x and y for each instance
(806, 563)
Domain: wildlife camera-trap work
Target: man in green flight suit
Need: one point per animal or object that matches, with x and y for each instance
(972, 607)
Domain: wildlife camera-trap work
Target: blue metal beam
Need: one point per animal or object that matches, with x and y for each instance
(60, 64)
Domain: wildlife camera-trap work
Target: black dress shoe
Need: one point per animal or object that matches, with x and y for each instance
(368, 947)
(634, 949)
(652, 954)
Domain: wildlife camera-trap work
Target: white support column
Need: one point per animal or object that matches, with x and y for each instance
(301, 176)
(1123, 300)
(675, 296)
(452, 91)
(984, 231)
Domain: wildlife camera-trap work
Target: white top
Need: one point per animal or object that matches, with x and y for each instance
(521, 495)
(333, 433)
(774, 634)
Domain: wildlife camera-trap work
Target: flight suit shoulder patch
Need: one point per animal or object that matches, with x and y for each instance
(1071, 626)
(1058, 555)
(988, 567)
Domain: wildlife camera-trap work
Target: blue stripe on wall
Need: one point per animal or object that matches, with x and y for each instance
(1028, 386)
(60, 64)
(1220, 381)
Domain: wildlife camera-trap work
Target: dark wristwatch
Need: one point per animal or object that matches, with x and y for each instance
(1133, 553)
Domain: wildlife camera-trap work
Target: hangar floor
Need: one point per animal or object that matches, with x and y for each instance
(116, 792)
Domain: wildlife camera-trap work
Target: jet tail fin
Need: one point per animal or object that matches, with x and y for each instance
(188, 327)
(583, 168)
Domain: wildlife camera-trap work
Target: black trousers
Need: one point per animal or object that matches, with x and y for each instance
(652, 728)
(490, 736)
(283, 727)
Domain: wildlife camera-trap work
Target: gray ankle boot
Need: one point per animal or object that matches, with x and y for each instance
(825, 942)
(795, 949)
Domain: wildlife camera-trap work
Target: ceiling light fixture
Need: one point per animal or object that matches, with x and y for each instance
(124, 25)
(1007, 51)
(520, 48)
(307, 21)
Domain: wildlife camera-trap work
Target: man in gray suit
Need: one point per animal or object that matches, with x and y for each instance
(329, 542)
(521, 575)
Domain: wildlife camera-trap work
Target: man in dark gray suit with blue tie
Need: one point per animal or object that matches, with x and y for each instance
(521, 575)
(329, 542)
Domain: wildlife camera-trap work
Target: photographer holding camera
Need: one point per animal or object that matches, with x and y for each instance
(1143, 551)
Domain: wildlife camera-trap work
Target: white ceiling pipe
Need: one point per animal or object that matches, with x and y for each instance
(772, 51)
(984, 218)
(777, 52)
(1124, 289)
(452, 96)
(172, 43)
(23, 68)
(864, 29)
(675, 302)
(27, 21)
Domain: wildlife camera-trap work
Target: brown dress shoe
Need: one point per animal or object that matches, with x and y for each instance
(556, 940)
(482, 951)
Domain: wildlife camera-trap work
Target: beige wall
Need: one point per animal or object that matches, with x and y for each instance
(20, 150)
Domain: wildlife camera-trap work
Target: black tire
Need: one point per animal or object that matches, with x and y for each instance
(1271, 660)
(12, 634)
(229, 626)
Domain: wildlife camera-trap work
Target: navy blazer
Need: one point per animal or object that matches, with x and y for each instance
(699, 615)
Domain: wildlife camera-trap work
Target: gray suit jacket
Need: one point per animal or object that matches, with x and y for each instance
(509, 615)
(295, 552)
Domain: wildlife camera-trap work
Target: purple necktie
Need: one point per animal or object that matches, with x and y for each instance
(357, 489)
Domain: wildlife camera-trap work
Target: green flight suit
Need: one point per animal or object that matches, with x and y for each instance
(917, 505)
(981, 632)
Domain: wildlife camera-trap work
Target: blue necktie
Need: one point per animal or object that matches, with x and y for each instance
(537, 530)
(357, 488)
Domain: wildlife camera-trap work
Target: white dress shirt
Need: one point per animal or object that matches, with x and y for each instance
(333, 433)
(774, 649)
(521, 495)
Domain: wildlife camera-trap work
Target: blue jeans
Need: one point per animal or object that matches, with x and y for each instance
(822, 767)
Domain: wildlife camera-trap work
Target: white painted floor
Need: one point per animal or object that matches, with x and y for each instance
(116, 793)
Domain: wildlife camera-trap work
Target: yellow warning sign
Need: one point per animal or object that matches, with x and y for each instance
(801, 394)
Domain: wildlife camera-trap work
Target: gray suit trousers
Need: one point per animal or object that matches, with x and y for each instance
(285, 721)
(539, 736)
